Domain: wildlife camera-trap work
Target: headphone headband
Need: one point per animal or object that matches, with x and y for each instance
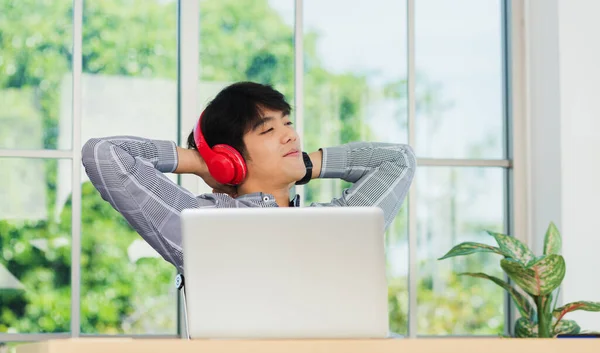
(201, 144)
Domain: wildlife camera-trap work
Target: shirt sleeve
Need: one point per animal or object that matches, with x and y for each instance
(129, 174)
(381, 174)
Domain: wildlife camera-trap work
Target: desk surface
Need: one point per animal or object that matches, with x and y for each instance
(433, 345)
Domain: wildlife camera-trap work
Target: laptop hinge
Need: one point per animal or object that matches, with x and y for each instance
(180, 285)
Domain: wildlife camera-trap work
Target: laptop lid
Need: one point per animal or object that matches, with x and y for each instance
(311, 272)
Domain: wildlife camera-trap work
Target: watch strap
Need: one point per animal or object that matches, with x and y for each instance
(309, 166)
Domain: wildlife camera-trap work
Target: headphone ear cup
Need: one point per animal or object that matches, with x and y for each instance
(221, 168)
(233, 171)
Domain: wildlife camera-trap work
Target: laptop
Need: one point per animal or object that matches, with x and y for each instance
(285, 272)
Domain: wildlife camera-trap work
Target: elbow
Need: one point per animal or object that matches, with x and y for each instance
(410, 154)
(408, 159)
(406, 162)
(88, 152)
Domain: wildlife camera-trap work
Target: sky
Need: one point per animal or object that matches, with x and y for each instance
(458, 48)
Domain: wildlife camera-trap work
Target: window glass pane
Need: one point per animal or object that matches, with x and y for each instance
(35, 245)
(355, 90)
(396, 244)
(457, 205)
(458, 58)
(35, 64)
(246, 40)
(129, 87)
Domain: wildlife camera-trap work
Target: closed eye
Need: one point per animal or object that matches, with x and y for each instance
(264, 132)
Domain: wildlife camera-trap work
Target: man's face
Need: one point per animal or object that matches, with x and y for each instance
(273, 149)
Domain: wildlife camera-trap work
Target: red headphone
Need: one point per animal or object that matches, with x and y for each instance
(224, 162)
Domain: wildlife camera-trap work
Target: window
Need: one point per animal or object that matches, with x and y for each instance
(355, 88)
(35, 226)
(129, 87)
(349, 72)
(456, 204)
(35, 246)
(459, 121)
(245, 41)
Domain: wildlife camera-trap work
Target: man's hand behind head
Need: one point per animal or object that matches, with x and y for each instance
(190, 162)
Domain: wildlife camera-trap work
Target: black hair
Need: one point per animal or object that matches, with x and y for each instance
(235, 110)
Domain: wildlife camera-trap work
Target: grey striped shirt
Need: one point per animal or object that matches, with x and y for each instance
(128, 173)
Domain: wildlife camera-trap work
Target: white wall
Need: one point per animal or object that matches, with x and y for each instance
(544, 111)
(579, 56)
(563, 40)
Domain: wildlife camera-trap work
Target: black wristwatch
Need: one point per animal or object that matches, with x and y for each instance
(309, 166)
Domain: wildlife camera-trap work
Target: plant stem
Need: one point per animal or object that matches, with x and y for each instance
(543, 324)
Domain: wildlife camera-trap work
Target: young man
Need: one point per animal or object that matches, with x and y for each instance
(254, 120)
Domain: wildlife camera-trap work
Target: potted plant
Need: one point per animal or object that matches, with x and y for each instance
(537, 280)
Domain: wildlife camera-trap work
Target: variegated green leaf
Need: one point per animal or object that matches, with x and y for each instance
(540, 277)
(512, 248)
(467, 248)
(566, 327)
(522, 303)
(581, 305)
(525, 328)
(552, 241)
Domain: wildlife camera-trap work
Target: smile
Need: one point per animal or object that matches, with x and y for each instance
(292, 154)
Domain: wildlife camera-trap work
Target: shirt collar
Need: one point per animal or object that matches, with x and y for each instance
(266, 199)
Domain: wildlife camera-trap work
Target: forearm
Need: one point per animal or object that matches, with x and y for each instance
(190, 162)
(123, 152)
(353, 161)
(380, 173)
